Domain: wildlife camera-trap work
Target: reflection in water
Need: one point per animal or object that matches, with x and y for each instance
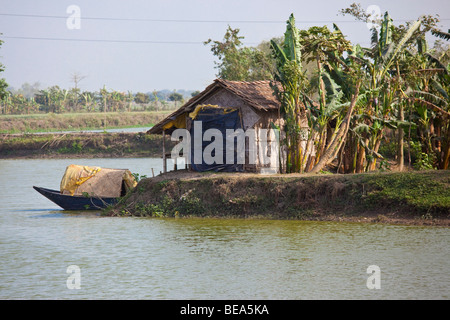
(142, 258)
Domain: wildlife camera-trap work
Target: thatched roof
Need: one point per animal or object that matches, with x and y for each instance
(256, 94)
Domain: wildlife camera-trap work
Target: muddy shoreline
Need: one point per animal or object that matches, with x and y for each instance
(347, 198)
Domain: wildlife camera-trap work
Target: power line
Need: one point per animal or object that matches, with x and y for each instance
(191, 20)
(102, 40)
(122, 41)
(143, 19)
(150, 20)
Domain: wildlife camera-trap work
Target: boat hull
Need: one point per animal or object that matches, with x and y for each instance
(68, 202)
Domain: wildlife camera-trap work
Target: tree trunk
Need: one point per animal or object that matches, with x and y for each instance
(446, 147)
(446, 159)
(400, 150)
(361, 157)
(322, 85)
(373, 162)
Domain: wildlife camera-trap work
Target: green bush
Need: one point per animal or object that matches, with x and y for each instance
(423, 161)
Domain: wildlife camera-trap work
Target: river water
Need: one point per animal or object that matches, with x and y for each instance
(153, 258)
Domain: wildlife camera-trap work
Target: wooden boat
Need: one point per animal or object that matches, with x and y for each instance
(90, 188)
(75, 202)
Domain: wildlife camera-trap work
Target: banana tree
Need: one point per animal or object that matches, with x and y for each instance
(428, 93)
(129, 99)
(6, 102)
(288, 89)
(88, 99)
(104, 98)
(116, 100)
(382, 88)
(338, 90)
(324, 47)
(57, 99)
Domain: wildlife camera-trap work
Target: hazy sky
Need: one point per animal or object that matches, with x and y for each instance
(158, 44)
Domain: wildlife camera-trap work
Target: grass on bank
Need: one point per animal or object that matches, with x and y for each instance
(427, 192)
(423, 195)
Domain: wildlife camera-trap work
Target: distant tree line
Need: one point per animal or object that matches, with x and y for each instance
(30, 99)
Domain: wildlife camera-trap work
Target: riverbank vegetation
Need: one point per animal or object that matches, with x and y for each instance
(409, 198)
(340, 100)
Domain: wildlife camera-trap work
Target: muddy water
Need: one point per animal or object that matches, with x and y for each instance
(149, 258)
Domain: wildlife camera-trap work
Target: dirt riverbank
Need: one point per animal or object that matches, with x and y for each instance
(49, 122)
(79, 145)
(412, 198)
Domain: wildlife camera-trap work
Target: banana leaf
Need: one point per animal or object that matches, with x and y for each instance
(387, 28)
(279, 54)
(436, 62)
(441, 34)
(292, 41)
(431, 98)
(398, 48)
(437, 86)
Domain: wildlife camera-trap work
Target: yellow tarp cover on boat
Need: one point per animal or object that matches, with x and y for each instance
(96, 181)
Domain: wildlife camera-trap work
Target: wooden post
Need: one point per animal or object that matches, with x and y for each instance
(164, 152)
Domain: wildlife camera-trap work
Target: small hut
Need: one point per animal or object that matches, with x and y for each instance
(229, 105)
